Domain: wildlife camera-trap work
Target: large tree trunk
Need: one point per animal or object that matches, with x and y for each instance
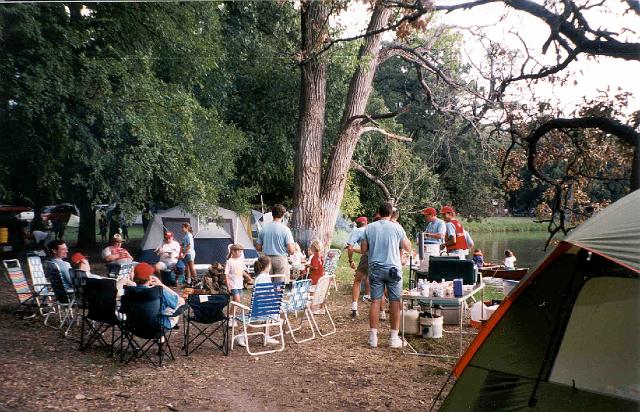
(317, 202)
(87, 227)
(311, 124)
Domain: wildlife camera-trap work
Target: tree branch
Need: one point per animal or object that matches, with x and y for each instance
(376, 180)
(386, 133)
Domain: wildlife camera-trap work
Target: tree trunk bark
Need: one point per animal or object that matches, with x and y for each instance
(318, 206)
(311, 124)
(87, 227)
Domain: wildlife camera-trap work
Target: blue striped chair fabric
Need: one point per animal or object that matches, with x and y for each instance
(299, 298)
(266, 302)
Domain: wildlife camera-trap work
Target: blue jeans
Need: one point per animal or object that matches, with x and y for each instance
(380, 277)
(236, 292)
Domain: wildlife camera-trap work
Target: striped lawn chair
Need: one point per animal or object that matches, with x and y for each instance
(264, 313)
(319, 303)
(26, 297)
(331, 264)
(298, 301)
(41, 285)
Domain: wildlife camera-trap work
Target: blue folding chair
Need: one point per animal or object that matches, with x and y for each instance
(65, 298)
(264, 313)
(298, 301)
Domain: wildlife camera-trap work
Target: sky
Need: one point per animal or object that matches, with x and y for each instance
(591, 75)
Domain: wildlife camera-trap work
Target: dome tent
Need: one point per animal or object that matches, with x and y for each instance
(567, 337)
(211, 240)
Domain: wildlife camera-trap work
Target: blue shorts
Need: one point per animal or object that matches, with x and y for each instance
(236, 292)
(379, 278)
(187, 258)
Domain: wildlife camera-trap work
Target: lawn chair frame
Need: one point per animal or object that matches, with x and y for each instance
(298, 300)
(319, 301)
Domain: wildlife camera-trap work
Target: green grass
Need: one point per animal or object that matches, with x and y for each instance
(504, 224)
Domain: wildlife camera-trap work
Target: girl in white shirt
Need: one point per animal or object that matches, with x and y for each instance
(509, 260)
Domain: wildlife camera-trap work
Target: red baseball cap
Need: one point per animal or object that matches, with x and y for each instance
(447, 209)
(77, 258)
(362, 219)
(143, 271)
(168, 234)
(429, 211)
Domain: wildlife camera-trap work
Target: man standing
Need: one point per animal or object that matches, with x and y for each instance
(382, 241)
(433, 237)
(276, 241)
(362, 270)
(59, 252)
(454, 239)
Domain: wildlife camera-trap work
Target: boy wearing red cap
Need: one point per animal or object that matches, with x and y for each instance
(143, 278)
(454, 240)
(362, 270)
(433, 237)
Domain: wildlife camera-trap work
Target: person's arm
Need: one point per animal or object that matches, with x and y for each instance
(291, 248)
(364, 246)
(350, 255)
(405, 245)
(450, 239)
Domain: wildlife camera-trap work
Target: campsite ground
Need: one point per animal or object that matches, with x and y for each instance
(44, 370)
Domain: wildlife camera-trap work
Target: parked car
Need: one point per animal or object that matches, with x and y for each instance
(61, 212)
(24, 213)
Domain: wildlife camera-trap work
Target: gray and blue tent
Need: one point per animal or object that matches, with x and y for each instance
(567, 338)
(211, 239)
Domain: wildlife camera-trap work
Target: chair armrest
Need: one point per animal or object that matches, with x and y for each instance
(177, 312)
(240, 305)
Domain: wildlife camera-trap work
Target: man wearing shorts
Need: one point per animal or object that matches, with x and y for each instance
(353, 246)
(276, 241)
(383, 241)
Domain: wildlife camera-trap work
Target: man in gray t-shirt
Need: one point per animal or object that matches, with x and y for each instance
(276, 241)
(382, 241)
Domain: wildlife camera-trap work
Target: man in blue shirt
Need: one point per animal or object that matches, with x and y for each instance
(433, 237)
(353, 246)
(59, 251)
(276, 241)
(382, 241)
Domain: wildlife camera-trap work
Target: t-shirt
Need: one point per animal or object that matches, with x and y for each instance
(438, 226)
(169, 252)
(383, 238)
(262, 278)
(317, 268)
(450, 230)
(65, 268)
(188, 242)
(274, 238)
(510, 262)
(234, 269)
(39, 235)
(112, 250)
(356, 236)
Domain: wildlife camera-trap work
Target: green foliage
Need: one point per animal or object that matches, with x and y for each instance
(351, 205)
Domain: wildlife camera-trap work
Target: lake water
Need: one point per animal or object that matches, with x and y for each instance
(528, 247)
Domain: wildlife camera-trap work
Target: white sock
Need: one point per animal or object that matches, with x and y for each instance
(394, 334)
(354, 305)
(374, 333)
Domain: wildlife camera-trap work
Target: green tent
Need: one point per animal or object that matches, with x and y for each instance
(567, 337)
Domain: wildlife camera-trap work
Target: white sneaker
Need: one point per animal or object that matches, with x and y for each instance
(319, 311)
(271, 341)
(383, 315)
(366, 298)
(241, 340)
(233, 323)
(373, 341)
(397, 342)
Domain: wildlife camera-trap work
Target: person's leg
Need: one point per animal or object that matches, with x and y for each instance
(394, 289)
(367, 286)
(355, 292)
(377, 285)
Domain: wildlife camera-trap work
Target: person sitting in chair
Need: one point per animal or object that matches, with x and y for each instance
(143, 278)
(115, 255)
(168, 251)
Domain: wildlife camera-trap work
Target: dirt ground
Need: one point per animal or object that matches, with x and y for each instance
(41, 369)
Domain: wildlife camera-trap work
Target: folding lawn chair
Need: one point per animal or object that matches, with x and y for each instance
(26, 297)
(266, 306)
(99, 318)
(298, 300)
(143, 321)
(65, 302)
(125, 271)
(41, 285)
(331, 264)
(319, 303)
(206, 314)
